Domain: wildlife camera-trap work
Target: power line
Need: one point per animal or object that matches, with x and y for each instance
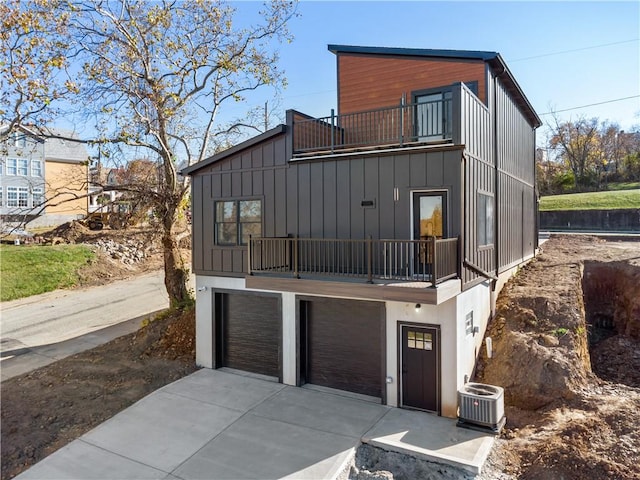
(591, 105)
(574, 50)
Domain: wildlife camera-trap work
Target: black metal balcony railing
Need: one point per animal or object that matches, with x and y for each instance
(432, 260)
(400, 125)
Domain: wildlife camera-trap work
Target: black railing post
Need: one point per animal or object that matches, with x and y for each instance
(333, 129)
(401, 136)
(434, 259)
(295, 257)
(249, 272)
(369, 260)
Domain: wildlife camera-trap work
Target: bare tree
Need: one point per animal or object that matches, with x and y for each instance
(154, 76)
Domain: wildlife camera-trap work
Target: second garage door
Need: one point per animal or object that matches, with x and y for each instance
(342, 344)
(248, 332)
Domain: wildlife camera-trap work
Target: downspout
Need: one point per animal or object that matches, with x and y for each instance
(462, 246)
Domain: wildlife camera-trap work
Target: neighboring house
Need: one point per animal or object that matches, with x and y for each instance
(22, 176)
(364, 251)
(43, 180)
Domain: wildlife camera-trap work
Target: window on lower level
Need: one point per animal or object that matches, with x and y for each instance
(485, 219)
(38, 197)
(23, 197)
(236, 220)
(12, 196)
(1, 197)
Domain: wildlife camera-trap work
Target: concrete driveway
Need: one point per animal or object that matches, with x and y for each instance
(219, 425)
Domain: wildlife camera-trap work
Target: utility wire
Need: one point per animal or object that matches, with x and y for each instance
(591, 105)
(574, 50)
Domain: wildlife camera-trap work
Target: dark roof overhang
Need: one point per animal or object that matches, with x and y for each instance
(235, 149)
(493, 59)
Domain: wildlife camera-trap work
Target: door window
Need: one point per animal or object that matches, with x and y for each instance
(429, 212)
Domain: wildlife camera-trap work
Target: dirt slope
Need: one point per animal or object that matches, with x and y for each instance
(571, 374)
(44, 410)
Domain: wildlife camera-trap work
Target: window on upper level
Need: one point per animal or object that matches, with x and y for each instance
(36, 168)
(235, 220)
(485, 219)
(23, 167)
(12, 166)
(19, 139)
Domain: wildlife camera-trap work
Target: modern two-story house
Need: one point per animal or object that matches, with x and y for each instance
(363, 251)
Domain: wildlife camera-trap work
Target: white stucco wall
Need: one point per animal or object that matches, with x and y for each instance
(478, 301)
(458, 350)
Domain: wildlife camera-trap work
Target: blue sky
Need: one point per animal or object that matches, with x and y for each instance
(563, 54)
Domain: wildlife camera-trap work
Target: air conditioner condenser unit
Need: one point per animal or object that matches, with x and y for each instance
(481, 407)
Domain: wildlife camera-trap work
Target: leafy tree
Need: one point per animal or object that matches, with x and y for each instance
(578, 146)
(153, 77)
(592, 152)
(33, 62)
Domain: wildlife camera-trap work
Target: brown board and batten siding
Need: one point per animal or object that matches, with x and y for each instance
(256, 172)
(368, 82)
(320, 197)
(517, 208)
(331, 192)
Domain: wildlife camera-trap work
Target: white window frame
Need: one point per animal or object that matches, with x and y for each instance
(12, 166)
(23, 167)
(36, 168)
(19, 140)
(23, 197)
(12, 191)
(38, 197)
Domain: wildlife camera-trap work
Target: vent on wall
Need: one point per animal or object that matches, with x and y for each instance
(481, 407)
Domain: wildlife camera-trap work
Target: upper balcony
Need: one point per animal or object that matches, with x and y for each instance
(455, 116)
(424, 271)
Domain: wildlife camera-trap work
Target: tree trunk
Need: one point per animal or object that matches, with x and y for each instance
(175, 271)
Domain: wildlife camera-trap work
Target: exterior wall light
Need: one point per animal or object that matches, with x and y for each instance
(418, 307)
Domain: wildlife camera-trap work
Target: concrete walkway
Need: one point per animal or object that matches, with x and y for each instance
(219, 425)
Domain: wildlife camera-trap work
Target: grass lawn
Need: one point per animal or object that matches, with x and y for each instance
(623, 185)
(32, 269)
(609, 200)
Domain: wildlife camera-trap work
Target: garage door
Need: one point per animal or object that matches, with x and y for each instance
(248, 332)
(342, 344)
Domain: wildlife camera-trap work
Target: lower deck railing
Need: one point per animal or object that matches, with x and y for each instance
(432, 260)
